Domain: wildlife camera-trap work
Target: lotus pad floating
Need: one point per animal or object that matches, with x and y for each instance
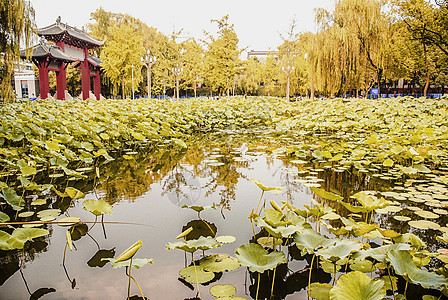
(357, 286)
(258, 259)
(97, 207)
(222, 290)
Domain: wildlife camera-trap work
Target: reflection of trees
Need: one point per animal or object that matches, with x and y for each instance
(131, 178)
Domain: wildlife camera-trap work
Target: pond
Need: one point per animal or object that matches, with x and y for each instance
(149, 187)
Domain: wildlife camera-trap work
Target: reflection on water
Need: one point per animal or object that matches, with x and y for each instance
(149, 186)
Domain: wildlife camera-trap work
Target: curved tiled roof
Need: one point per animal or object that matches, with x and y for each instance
(44, 49)
(59, 32)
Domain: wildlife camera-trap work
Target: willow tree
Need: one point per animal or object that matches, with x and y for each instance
(121, 55)
(16, 26)
(357, 41)
(222, 56)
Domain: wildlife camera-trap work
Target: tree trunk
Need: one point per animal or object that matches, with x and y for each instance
(122, 86)
(427, 71)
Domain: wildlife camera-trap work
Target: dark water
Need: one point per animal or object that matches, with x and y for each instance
(149, 191)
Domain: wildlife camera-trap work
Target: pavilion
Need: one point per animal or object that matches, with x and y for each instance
(71, 45)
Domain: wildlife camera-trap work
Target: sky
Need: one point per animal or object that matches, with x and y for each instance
(258, 24)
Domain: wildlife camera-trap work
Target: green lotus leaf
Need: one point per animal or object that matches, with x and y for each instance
(410, 238)
(4, 217)
(130, 252)
(369, 201)
(198, 208)
(26, 214)
(340, 249)
(308, 241)
(138, 136)
(426, 214)
(10, 196)
(258, 259)
(404, 265)
(49, 213)
(219, 263)
(97, 207)
(193, 274)
(364, 266)
(225, 239)
(74, 193)
(137, 263)
(73, 173)
(28, 171)
(274, 218)
(354, 209)
(320, 291)
(331, 216)
(282, 231)
(424, 224)
(223, 290)
(87, 146)
(326, 195)
(379, 253)
(264, 187)
(53, 146)
(202, 243)
(21, 235)
(4, 237)
(388, 162)
(357, 286)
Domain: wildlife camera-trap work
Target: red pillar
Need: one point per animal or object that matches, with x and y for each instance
(61, 78)
(97, 84)
(44, 83)
(61, 82)
(85, 76)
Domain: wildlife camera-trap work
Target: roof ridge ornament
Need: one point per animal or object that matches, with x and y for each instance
(58, 20)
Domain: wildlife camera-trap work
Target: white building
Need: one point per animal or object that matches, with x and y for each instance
(26, 85)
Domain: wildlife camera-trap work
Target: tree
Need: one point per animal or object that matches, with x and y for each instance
(287, 52)
(269, 76)
(16, 25)
(251, 77)
(193, 64)
(121, 55)
(222, 56)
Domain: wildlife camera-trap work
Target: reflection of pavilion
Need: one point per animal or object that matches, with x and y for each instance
(71, 46)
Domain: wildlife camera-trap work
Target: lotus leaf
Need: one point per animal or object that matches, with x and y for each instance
(97, 207)
(202, 243)
(258, 259)
(404, 265)
(225, 239)
(357, 286)
(426, 214)
(74, 193)
(326, 195)
(21, 235)
(193, 274)
(365, 266)
(4, 237)
(264, 187)
(308, 241)
(10, 196)
(49, 213)
(424, 224)
(320, 291)
(222, 290)
(28, 171)
(26, 214)
(137, 263)
(4, 217)
(339, 249)
(219, 263)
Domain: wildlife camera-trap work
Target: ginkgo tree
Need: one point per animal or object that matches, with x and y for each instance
(121, 55)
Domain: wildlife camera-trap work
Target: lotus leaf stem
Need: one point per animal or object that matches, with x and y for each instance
(273, 282)
(391, 283)
(259, 201)
(258, 286)
(196, 277)
(309, 276)
(129, 276)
